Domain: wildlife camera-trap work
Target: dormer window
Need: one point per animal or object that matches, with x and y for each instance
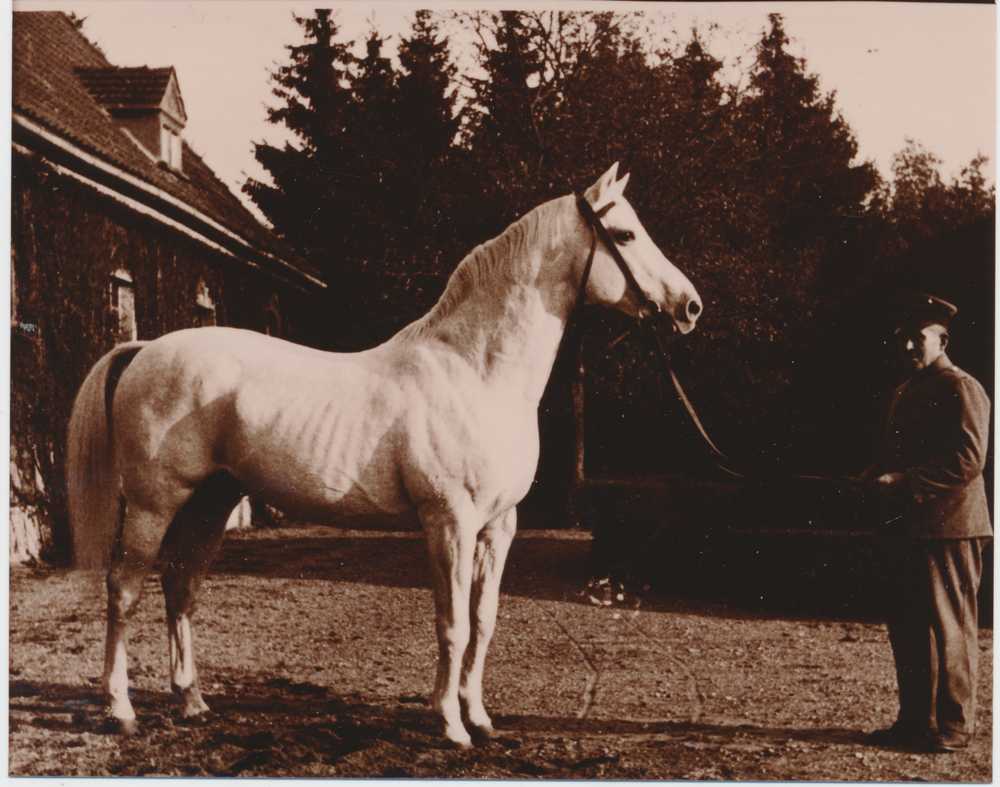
(147, 104)
(170, 147)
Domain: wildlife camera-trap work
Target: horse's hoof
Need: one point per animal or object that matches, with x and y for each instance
(485, 735)
(125, 727)
(198, 719)
(482, 733)
(456, 738)
(459, 745)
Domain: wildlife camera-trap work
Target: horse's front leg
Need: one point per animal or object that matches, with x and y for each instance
(451, 542)
(491, 553)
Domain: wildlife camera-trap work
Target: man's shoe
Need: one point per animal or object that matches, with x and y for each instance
(899, 735)
(949, 741)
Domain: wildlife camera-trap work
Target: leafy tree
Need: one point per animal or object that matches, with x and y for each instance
(922, 206)
(776, 201)
(940, 239)
(750, 193)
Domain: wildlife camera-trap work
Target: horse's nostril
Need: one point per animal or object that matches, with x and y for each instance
(694, 308)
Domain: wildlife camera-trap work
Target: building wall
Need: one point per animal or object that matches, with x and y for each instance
(80, 262)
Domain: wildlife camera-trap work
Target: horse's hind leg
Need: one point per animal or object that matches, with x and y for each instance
(491, 554)
(136, 555)
(192, 543)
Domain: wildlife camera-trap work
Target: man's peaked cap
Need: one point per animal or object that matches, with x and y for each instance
(918, 307)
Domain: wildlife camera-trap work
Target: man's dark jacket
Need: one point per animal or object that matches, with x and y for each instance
(935, 430)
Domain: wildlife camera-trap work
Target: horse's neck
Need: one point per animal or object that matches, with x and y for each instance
(514, 348)
(511, 314)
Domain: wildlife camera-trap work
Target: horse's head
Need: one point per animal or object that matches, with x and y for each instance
(663, 286)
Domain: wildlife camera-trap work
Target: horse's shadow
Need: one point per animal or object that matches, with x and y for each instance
(256, 716)
(71, 709)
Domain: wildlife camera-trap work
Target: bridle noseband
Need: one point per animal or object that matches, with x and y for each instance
(600, 231)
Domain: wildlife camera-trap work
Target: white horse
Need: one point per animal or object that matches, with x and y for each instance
(436, 428)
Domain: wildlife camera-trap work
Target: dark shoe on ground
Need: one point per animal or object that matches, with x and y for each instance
(900, 735)
(949, 741)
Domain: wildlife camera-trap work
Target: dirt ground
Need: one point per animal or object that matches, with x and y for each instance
(316, 651)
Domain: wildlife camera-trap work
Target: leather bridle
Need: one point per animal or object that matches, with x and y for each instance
(648, 321)
(600, 231)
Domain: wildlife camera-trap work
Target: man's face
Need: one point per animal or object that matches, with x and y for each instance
(921, 345)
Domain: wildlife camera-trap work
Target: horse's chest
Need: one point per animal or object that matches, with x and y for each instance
(491, 450)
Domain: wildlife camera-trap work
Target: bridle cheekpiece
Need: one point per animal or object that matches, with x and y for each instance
(601, 232)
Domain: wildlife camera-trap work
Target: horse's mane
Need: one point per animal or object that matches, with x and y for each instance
(497, 263)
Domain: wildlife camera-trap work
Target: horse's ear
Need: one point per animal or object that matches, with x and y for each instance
(606, 185)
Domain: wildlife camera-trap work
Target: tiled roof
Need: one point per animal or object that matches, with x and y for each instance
(126, 87)
(47, 51)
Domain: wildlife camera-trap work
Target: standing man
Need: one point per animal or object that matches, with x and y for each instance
(928, 476)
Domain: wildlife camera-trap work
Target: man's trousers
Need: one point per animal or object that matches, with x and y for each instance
(932, 617)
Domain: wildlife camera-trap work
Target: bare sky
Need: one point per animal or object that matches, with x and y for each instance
(926, 71)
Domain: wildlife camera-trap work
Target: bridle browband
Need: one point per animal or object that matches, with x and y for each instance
(716, 456)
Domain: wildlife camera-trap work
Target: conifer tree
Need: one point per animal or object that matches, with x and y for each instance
(314, 97)
(426, 110)
(359, 194)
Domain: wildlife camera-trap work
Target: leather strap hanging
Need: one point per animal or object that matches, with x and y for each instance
(717, 457)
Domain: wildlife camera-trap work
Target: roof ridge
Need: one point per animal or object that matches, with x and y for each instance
(123, 69)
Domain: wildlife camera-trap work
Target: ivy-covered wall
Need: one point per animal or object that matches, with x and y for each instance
(67, 243)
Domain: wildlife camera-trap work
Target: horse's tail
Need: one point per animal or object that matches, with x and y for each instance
(92, 480)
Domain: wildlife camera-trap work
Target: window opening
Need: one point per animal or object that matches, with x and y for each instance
(123, 306)
(204, 306)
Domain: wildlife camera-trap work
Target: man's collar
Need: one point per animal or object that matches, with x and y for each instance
(943, 362)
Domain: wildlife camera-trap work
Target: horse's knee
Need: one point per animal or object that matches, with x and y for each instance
(122, 595)
(454, 637)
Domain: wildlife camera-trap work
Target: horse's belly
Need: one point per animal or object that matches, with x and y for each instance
(364, 499)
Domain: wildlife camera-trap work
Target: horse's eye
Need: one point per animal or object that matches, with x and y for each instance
(624, 236)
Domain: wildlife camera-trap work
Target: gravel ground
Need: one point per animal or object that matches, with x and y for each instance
(316, 649)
